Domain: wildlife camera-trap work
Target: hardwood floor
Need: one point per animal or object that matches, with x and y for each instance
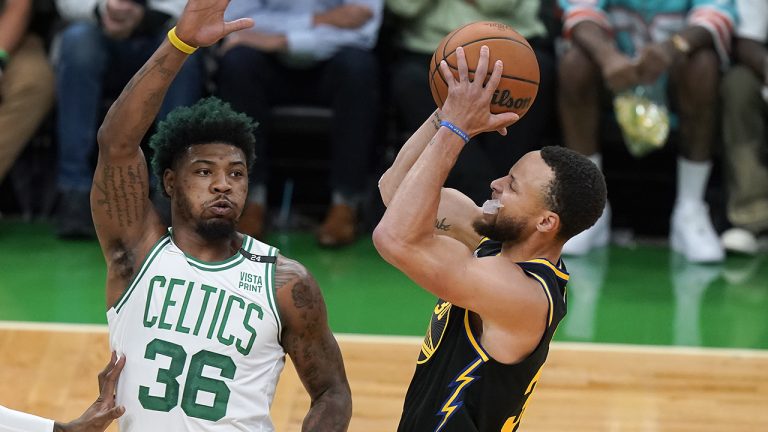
(51, 371)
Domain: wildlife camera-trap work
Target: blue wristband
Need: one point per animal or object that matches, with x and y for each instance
(453, 128)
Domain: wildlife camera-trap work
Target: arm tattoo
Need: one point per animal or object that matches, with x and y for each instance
(441, 225)
(305, 331)
(302, 296)
(436, 121)
(121, 193)
(309, 342)
(153, 98)
(288, 270)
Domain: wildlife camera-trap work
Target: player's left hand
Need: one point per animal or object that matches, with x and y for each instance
(468, 104)
(104, 410)
(202, 23)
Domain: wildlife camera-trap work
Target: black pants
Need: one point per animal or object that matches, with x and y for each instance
(490, 155)
(253, 82)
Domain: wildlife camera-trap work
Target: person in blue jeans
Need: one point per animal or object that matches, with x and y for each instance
(317, 52)
(105, 43)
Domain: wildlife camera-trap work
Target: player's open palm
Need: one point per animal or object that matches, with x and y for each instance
(468, 104)
(202, 23)
(105, 410)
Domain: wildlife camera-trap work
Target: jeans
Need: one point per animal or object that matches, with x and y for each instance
(253, 81)
(90, 62)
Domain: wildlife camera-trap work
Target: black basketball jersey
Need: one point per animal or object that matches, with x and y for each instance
(457, 386)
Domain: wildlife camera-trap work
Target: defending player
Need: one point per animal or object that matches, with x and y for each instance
(204, 314)
(496, 270)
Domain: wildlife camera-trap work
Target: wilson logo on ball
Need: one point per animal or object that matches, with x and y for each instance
(503, 98)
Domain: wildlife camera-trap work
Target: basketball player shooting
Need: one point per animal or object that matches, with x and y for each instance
(203, 314)
(495, 269)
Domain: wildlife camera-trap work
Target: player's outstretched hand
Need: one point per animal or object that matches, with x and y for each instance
(102, 412)
(468, 105)
(202, 23)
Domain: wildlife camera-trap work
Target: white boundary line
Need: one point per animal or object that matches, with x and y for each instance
(415, 341)
(53, 327)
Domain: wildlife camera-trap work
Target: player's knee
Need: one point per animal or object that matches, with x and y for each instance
(699, 80)
(577, 73)
(82, 46)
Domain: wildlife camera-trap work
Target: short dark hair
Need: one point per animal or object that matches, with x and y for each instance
(208, 121)
(577, 192)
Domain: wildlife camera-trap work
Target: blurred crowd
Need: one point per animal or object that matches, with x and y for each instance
(365, 62)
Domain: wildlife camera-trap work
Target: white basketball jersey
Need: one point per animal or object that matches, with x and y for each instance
(201, 340)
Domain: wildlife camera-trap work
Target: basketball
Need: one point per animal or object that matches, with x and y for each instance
(520, 78)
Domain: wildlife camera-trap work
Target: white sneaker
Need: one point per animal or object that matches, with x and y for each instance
(739, 240)
(693, 235)
(596, 236)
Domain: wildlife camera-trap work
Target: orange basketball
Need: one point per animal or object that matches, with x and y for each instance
(520, 79)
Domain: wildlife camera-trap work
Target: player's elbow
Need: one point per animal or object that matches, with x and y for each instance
(331, 410)
(102, 136)
(389, 245)
(105, 139)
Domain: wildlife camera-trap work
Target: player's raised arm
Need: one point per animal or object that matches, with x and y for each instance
(124, 218)
(405, 235)
(308, 340)
(456, 210)
(407, 156)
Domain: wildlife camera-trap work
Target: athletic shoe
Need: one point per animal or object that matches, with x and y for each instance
(693, 235)
(739, 240)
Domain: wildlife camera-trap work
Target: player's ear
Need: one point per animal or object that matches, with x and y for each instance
(549, 222)
(168, 181)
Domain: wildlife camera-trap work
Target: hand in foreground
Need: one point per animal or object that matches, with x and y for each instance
(202, 23)
(103, 411)
(468, 105)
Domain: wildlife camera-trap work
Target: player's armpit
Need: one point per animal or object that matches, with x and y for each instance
(126, 223)
(455, 216)
(308, 340)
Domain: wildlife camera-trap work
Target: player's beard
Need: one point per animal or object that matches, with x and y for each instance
(503, 229)
(209, 229)
(215, 229)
